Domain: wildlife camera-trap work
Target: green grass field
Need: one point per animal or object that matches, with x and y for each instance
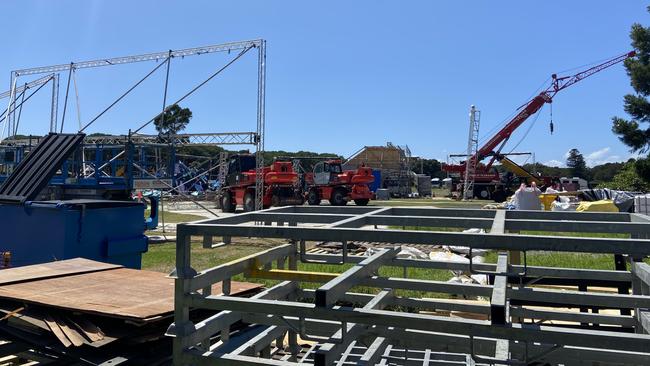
(175, 217)
(160, 257)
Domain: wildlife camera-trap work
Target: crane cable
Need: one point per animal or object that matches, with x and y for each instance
(198, 86)
(20, 111)
(124, 94)
(588, 64)
(3, 115)
(551, 123)
(67, 90)
(76, 93)
(527, 131)
(501, 124)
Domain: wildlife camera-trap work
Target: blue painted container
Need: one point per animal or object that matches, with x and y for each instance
(106, 231)
(377, 183)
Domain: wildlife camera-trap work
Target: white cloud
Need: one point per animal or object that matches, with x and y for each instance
(598, 154)
(601, 156)
(555, 163)
(598, 157)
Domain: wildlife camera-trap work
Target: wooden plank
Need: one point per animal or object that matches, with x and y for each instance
(88, 329)
(122, 293)
(26, 320)
(53, 269)
(54, 327)
(74, 336)
(12, 313)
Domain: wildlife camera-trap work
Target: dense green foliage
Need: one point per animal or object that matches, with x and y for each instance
(430, 167)
(635, 133)
(628, 179)
(605, 172)
(596, 175)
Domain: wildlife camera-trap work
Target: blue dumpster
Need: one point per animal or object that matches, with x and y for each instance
(43, 231)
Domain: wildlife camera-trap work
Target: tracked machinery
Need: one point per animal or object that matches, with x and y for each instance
(488, 182)
(330, 182)
(280, 184)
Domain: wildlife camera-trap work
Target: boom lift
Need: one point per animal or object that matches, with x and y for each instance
(486, 180)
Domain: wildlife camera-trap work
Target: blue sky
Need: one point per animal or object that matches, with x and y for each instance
(342, 74)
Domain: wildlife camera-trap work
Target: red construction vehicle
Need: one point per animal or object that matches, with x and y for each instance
(329, 182)
(487, 181)
(280, 184)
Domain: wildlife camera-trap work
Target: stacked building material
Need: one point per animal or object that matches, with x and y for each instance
(80, 309)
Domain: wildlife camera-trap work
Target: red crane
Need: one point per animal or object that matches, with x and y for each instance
(527, 110)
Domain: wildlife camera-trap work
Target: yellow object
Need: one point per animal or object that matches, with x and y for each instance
(598, 206)
(547, 200)
(519, 171)
(288, 275)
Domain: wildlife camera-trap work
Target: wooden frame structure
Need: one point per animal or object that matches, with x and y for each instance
(345, 327)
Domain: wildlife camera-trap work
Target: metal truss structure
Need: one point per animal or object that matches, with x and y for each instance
(256, 138)
(527, 320)
(17, 99)
(185, 139)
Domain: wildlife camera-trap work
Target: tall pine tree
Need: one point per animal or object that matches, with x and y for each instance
(635, 133)
(576, 164)
(173, 120)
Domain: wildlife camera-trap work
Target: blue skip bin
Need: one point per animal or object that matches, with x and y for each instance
(43, 231)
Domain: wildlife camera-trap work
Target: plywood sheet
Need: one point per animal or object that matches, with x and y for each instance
(120, 292)
(52, 269)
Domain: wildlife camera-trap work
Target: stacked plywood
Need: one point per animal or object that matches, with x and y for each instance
(81, 309)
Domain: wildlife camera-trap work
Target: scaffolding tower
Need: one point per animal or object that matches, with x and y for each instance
(472, 148)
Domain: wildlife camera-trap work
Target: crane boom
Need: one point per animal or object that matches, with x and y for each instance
(567, 81)
(532, 107)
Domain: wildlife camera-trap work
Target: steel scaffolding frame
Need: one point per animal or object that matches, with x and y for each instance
(353, 328)
(229, 138)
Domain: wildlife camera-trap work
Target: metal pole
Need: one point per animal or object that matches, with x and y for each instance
(20, 110)
(172, 145)
(162, 212)
(55, 103)
(12, 116)
(12, 88)
(259, 157)
(164, 104)
(76, 94)
(65, 103)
